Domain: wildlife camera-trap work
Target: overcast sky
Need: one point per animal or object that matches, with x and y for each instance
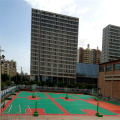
(15, 23)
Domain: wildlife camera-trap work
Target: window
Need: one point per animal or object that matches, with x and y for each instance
(109, 68)
(101, 69)
(117, 66)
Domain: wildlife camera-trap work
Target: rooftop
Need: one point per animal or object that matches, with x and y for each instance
(87, 70)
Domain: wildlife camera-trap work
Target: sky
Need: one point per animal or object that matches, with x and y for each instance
(15, 24)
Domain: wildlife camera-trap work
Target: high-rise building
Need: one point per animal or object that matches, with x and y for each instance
(90, 56)
(54, 39)
(111, 43)
(9, 68)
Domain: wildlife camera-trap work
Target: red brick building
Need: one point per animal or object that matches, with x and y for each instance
(109, 79)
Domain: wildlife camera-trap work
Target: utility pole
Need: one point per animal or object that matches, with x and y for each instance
(21, 73)
(1, 57)
(16, 77)
(10, 72)
(39, 50)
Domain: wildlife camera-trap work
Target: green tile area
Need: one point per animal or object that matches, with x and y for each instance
(52, 95)
(47, 104)
(76, 106)
(73, 107)
(24, 94)
(41, 95)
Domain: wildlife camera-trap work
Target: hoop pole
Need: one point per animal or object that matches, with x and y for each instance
(4, 100)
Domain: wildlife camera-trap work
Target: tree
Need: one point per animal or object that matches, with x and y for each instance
(83, 86)
(2, 85)
(39, 83)
(8, 83)
(33, 82)
(4, 77)
(27, 83)
(62, 84)
(17, 79)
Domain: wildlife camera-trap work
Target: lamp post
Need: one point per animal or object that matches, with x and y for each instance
(1, 57)
(9, 68)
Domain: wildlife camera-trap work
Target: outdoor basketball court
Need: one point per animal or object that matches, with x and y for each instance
(56, 104)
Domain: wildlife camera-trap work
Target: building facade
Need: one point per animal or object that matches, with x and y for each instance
(9, 68)
(109, 79)
(111, 43)
(90, 56)
(54, 39)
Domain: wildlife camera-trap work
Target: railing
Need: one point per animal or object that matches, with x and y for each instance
(19, 112)
(57, 89)
(7, 115)
(28, 113)
(1, 112)
(15, 112)
(8, 90)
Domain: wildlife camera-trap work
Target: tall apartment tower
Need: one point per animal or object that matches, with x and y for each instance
(111, 43)
(54, 39)
(90, 56)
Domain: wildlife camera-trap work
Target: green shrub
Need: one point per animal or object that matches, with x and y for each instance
(76, 85)
(62, 84)
(2, 85)
(83, 86)
(71, 86)
(8, 83)
(39, 83)
(90, 86)
(27, 83)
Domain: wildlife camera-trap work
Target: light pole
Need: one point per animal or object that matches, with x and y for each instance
(1, 57)
(9, 71)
